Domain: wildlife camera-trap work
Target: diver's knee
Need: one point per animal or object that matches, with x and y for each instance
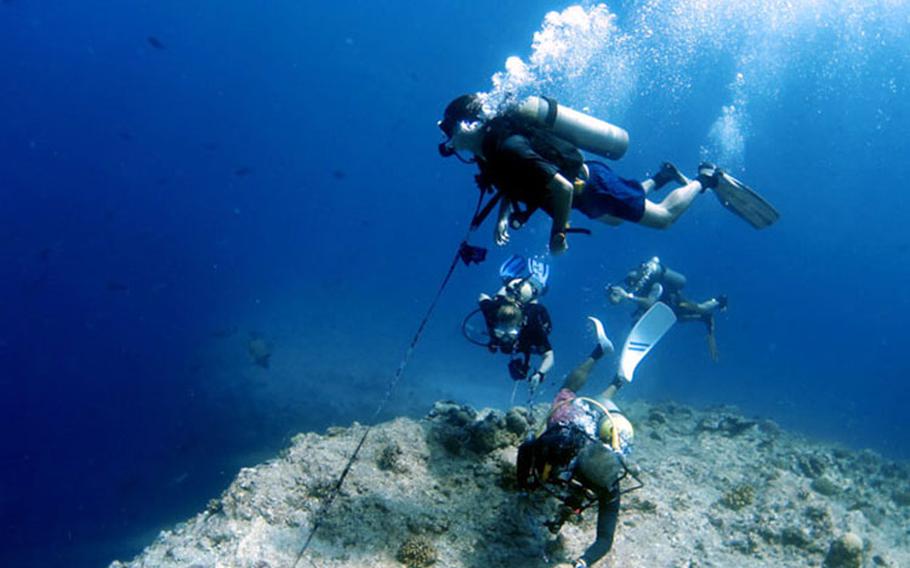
(658, 218)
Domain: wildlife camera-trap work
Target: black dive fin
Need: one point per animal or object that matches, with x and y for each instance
(742, 200)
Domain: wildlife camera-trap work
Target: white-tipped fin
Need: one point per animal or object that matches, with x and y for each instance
(645, 335)
(602, 338)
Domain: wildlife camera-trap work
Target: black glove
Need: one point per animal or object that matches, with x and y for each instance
(518, 369)
(517, 219)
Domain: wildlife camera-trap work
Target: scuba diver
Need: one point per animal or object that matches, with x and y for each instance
(652, 281)
(581, 456)
(515, 323)
(530, 155)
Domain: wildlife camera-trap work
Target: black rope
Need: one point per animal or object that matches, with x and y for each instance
(336, 489)
(482, 214)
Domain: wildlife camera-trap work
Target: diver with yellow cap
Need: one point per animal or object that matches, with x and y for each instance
(581, 456)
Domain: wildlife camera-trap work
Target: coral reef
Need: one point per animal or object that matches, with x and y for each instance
(902, 498)
(824, 486)
(845, 552)
(739, 497)
(417, 552)
(390, 458)
(720, 490)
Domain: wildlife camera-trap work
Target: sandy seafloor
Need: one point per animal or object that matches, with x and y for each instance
(721, 489)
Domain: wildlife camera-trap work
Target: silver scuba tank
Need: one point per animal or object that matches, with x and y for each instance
(643, 275)
(673, 280)
(584, 131)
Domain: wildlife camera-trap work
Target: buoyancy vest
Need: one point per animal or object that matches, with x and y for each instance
(494, 172)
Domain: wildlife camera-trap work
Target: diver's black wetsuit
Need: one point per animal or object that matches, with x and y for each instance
(671, 283)
(595, 470)
(520, 160)
(607, 516)
(533, 337)
(608, 501)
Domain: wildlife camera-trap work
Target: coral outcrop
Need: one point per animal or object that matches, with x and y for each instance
(720, 490)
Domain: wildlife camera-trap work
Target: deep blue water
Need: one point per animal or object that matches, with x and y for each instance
(270, 169)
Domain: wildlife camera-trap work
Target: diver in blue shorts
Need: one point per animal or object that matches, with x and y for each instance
(531, 168)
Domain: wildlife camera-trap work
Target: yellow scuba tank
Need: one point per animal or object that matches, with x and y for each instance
(614, 429)
(584, 131)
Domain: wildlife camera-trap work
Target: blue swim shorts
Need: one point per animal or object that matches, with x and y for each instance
(608, 194)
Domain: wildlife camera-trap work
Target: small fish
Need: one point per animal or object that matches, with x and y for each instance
(155, 42)
(223, 332)
(243, 171)
(38, 283)
(116, 286)
(259, 350)
(339, 174)
(14, 459)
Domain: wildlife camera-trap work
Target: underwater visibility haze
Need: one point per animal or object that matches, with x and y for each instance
(221, 224)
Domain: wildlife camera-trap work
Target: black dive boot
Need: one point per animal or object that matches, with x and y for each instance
(708, 174)
(667, 173)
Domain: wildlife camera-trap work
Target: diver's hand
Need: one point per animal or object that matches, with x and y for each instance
(620, 292)
(558, 243)
(501, 232)
(534, 380)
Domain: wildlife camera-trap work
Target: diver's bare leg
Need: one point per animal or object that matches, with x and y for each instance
(579, 375)
(702, 308)
(609, 220)
(708, 306)
(662, 215)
